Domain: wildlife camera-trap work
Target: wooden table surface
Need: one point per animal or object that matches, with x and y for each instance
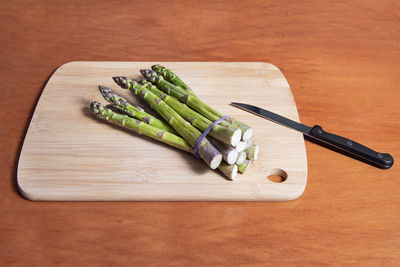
(342, 61)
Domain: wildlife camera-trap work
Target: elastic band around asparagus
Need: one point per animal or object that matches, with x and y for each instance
(244, 166)
(206, 150)
(195, 103)
(133, 111)
(230, 171)
(140, 127)
(252, 152)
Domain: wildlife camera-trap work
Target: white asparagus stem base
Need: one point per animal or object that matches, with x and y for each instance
(241, 158)
(229, 153)
(247, 134)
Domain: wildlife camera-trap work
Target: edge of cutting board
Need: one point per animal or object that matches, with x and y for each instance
(294, 194)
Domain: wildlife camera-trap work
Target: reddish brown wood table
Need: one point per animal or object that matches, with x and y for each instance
(342, 61)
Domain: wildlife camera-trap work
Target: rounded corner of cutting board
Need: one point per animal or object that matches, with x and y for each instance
(24, 190)
(68, 65)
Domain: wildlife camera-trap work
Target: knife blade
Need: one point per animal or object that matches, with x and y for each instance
(320, 136)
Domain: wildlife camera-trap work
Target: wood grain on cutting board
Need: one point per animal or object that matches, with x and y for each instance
(68, 154)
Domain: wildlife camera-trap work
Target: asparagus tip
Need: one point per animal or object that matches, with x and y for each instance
(145, 72)
(95, 107)
(112, 97)
(143, 81)
(156, 67)
(148, 73)
(121, 81)
(105, 92)
(101, 87)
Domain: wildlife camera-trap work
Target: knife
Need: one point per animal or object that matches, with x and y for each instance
(332, 141)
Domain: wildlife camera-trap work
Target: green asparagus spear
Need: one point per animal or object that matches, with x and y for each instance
(205, 149)
(224, 134)
(252, 152)
(140, 127)
(195, 103)
(133, 111)
(170, 76)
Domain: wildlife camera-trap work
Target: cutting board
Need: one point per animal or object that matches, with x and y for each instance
(70, 155)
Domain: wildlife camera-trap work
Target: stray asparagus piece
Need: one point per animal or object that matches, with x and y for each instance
(194, 102)
(140, 127)
(252, 152)
(244, 166)
(224, 134)
(170, 76)
(229, 171)
(137, 112)
(206, 150)
(229, 153)
(241, 158)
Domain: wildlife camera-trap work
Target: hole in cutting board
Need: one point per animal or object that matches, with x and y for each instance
(277, 175)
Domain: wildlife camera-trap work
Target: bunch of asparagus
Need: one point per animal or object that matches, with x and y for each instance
(228, 147)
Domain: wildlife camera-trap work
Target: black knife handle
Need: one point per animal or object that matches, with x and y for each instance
(382, 160)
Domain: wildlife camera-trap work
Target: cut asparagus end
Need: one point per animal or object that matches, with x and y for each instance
(241, 158)
(237, 135)
(256, 150)
(209, 154)
(247, 134)
(244, 166)
(230, 171)
(121, 81)
(240, 146)
(252, 152)
(232, 156)
(229, 153)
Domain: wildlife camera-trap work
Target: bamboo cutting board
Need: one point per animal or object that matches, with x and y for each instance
(68, 154)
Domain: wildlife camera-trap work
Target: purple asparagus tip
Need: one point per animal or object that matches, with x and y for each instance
(121, 81)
